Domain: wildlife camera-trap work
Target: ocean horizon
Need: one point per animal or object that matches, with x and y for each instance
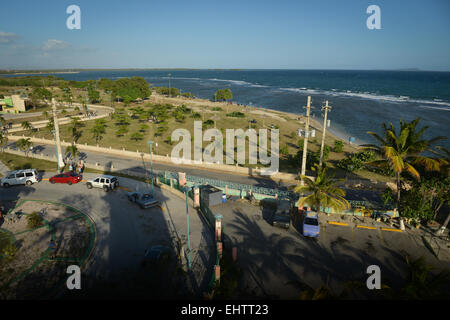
(361, 100)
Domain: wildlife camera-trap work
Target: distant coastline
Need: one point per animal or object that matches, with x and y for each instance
(43, 72)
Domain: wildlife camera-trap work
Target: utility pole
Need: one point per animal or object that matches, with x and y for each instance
(326, 108)
(305, 141)
(59, 158)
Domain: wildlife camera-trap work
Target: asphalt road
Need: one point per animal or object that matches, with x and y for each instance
(124, 231)
(124, 164)
(273, 259)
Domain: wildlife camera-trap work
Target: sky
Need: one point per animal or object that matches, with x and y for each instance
(247, 34)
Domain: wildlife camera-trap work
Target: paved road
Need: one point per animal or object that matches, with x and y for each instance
(271, 257)
(138, 166)
(124, 230)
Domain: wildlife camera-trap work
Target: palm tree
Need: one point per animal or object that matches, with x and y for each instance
(26, 125)
(403, 151)
(73, 129)
(24, 145)
(73, 150)
(420, 283)
(50, 125)
(3, 140)
(97, 131)
(323, 191)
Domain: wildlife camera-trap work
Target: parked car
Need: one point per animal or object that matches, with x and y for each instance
(26, 176)
(311, 226)
(155, 254)
(282, 215)
(144, 200)
(105, 182)
(66, 177)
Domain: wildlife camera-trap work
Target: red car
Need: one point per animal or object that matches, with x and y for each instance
(66, 177)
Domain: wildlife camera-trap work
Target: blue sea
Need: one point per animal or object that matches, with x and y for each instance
(361, 100)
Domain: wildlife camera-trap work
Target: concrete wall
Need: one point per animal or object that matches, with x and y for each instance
(164, 159)
(18, 102)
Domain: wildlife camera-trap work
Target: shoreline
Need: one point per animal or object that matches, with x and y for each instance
(337, 134)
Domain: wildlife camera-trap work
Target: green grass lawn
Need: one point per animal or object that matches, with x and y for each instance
(5, 239)
(287, 124)
(15, 162)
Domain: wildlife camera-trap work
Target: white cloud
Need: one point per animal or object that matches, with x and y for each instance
(53, 44)
(7, 37)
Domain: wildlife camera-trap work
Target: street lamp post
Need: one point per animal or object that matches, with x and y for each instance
(186, 188)
(151, 161)
(110, 98)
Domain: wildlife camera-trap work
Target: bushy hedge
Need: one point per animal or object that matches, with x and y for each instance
(236, 114)
(356, 161)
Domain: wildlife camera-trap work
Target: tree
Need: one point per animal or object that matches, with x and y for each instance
(121, 131)
(323, 191)
(403, 151)
(50, 125)
(40, 94)
(223, 94)
(73, 129)
(34, 220)
(3, 140)
(93, 95)
(338, 146)
(98, 130)
(24, 145)
(356, 161)
(2, 121)
(26, 125)
(73, 150)
(137, 136)
(143, 127)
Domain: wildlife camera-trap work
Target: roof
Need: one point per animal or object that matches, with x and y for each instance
(22, 170)
(7, 101)
(105, 176)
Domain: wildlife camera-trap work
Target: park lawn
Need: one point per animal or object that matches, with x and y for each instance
(288, 130)
(287, 123)
(16, 162)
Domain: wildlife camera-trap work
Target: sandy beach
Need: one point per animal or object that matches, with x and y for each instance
(198, 103)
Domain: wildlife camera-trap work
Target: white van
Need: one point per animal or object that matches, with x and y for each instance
(27, 176)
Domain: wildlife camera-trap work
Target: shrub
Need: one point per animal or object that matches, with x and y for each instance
(356, 161)
(208, 123)
(338, 146)
(34, 220)
(236, 114)
(284, 150)
(10, 251)
(326, 152)
(196, 115)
